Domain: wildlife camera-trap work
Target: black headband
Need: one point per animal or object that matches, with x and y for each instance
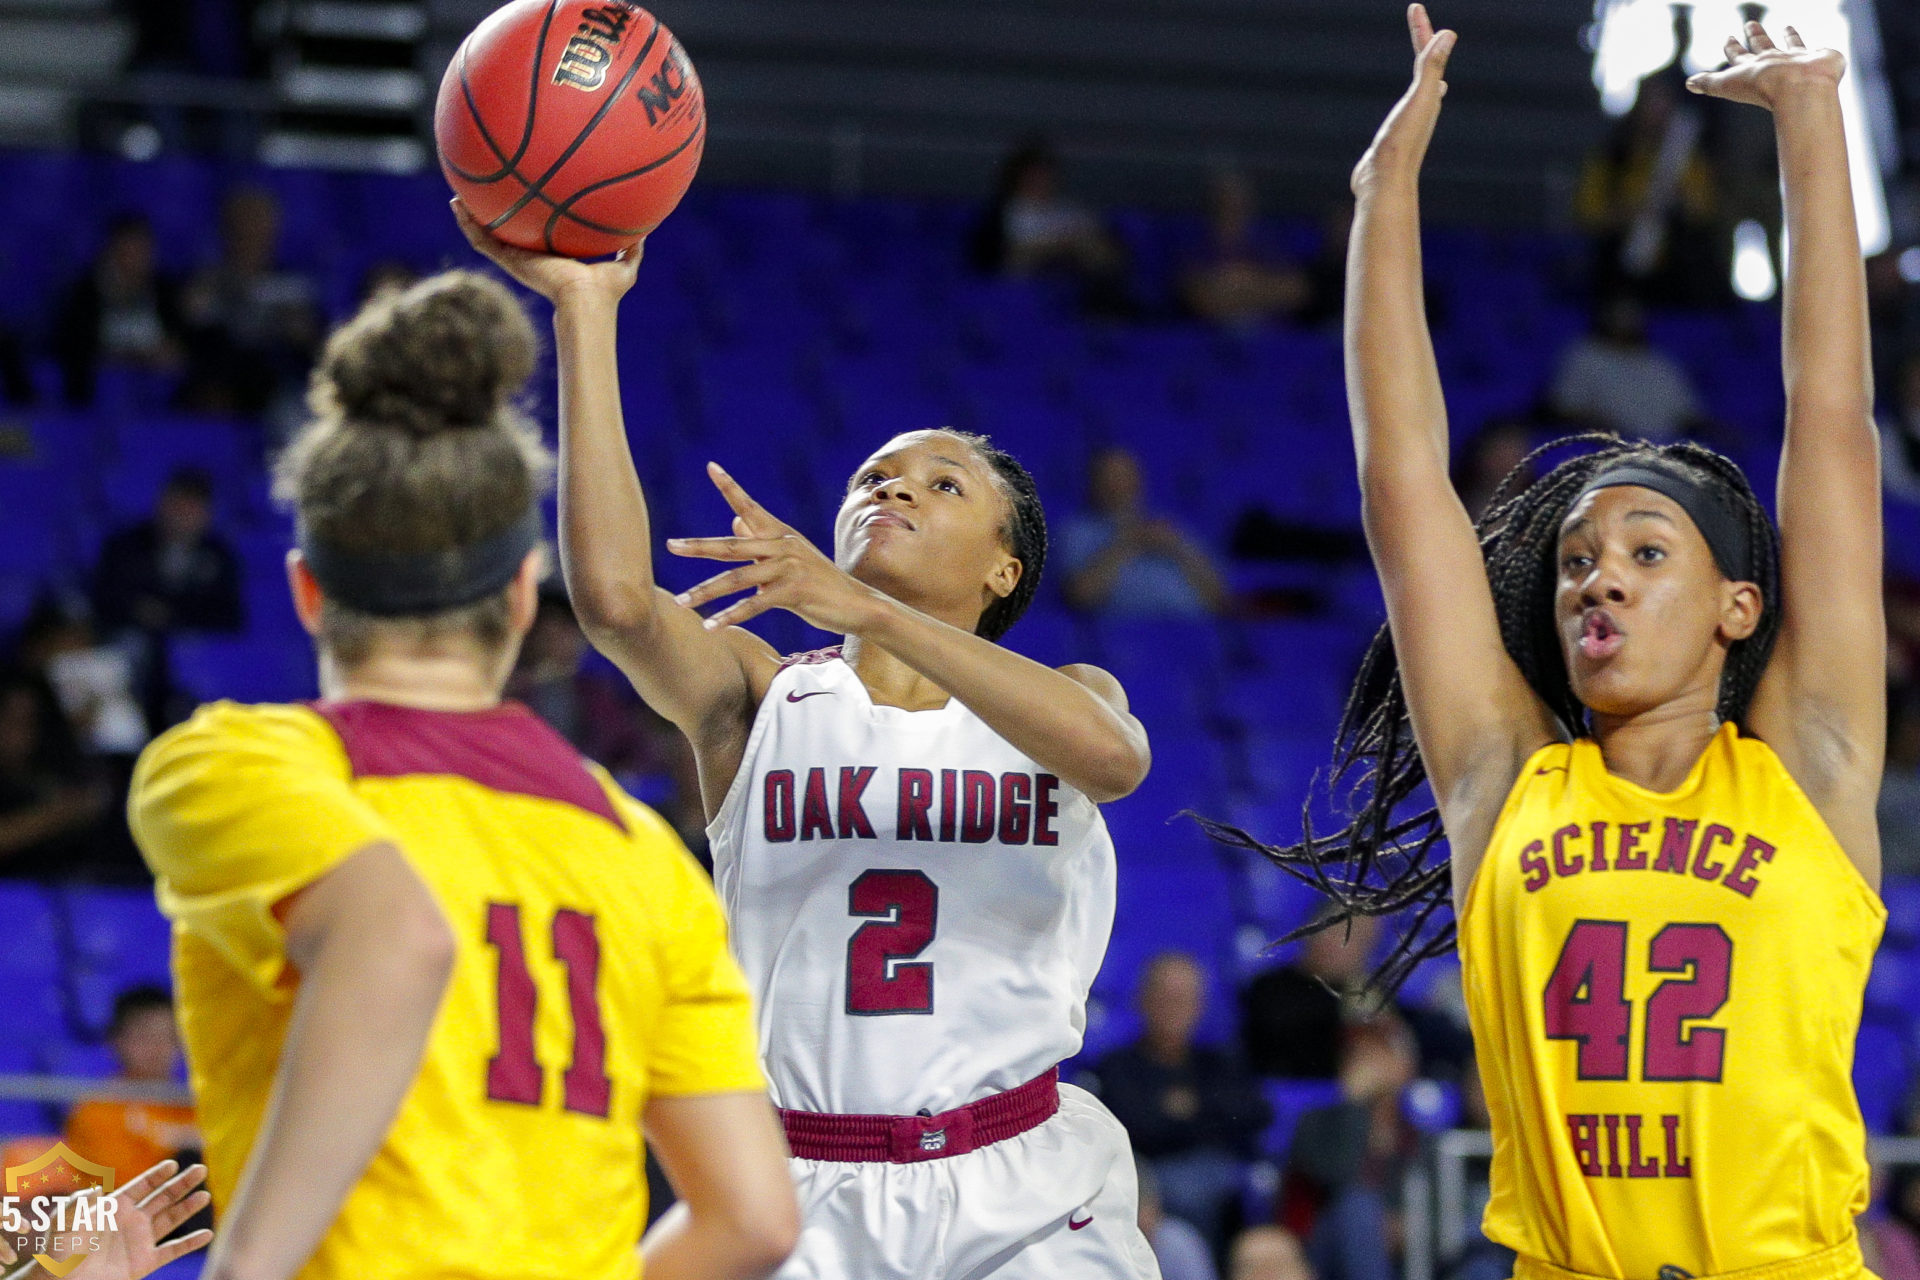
(393, 584)
(1724, 530)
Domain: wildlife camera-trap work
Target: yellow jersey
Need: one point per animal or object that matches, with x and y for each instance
(1665, 990)
(592, 972)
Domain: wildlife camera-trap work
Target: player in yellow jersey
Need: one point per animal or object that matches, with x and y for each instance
(435, 972)
(1653, 726)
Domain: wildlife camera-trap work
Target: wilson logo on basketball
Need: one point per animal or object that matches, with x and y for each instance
(584, 62)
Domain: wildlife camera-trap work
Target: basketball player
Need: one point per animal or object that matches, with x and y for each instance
(1654, 730)
(435, 971)
(905, 829)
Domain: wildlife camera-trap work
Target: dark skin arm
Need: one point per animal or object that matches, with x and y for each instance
(706, 682)
(1474, 716)
(1822, 702)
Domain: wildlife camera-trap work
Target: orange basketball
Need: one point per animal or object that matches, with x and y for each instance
(570, 126)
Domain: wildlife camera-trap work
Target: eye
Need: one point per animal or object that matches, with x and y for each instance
(1650, 554)
(868, 478)
(1573, 560)
(949, 484)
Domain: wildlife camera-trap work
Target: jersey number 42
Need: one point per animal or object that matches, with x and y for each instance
(1586, 1001)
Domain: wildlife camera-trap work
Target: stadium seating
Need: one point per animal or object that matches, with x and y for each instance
(785, 336)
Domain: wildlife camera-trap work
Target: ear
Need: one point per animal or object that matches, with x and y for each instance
(1741, 605)
(1005, 576)
(307, 596)
(523, 593)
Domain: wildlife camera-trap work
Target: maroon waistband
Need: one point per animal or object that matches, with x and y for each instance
(814, 1135)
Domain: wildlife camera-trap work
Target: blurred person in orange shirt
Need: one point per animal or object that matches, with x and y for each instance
(133, 1136)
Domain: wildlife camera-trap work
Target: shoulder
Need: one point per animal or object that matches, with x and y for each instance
(241, 734)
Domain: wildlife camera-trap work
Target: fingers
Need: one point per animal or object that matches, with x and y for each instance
(1733, 49)
(138, 1189)
(758, 519)
(1793, 39)
(1757, 38)
(174, 1189)
(165, 1220)
(174, 1250)
(740, 611)
(726, 584)
(1419, 26)
(1431, 68)
(484, 242)
(7, 1256)
(724, 548)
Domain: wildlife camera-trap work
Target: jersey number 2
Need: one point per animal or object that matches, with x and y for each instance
(902, 910)
(1586, 1001)
(514, 1074)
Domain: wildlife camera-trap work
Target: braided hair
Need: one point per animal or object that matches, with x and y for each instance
(1384, 861)
(1025, 532)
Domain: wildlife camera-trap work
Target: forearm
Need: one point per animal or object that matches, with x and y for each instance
(360, 1026)
(1069, 730)
(685, 1246)
(1393, 379)
(1827, 353)
(605, 538)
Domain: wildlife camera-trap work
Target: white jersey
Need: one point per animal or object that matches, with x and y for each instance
(919, 907)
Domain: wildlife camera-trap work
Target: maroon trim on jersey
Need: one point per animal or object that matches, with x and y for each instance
(812, 658)
(814, 1135)
(505, 748)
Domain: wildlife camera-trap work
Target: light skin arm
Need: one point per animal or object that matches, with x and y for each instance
(1474, 716)
(1822, 701)
(706, 683)
(374, 956)
(1073, 721)
(727, 1159)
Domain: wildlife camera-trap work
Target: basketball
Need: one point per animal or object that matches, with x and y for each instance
(570, 126)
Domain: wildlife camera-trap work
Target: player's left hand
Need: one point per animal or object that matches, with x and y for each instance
(149, 1207)
(785, 570)
(1762, 73)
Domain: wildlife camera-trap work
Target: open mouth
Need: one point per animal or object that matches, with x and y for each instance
(887, 520)
(1600, 636)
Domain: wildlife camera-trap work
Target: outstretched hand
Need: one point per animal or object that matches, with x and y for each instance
(1400, 147)
(785, 571)
(548, 274)
(1761, 73)
(147, 1209)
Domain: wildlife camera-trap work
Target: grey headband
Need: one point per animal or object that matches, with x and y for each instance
(1722, 527)
(394, 584)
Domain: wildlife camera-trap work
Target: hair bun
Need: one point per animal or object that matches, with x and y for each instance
(449, 353)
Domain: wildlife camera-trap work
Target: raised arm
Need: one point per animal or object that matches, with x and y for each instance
(1822, 702)
(700, 680)
(1473, 714)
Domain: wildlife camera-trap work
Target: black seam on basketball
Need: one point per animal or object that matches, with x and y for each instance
(565, 208)
(510, 165)
(534, 188)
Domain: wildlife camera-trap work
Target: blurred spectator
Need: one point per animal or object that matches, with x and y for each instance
(123, 311)
(1190, 1110)
(1240, 281)
(1894, 306)
(1268, 1253)
(1326, 272)
(1180, 1250)
(1614, 380)
(1029, 227)
(1900, 430)
(171, 572)
(1291, 1016)
(253, 323)
(1648, 196)
(1346, 1161)
(1122, 561)
(1891, 1239)
(1488, 459)
(49, 806)
(1899, 810)
(1482, 1259)
(134, 1136)
(92, 682)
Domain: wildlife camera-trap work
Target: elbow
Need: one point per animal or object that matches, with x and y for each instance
(422, 946)
(1117, 772)
(764, 1241)
(611, 617)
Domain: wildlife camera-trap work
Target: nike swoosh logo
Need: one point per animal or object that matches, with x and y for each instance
(1075, 1226)
(802, 697)
(1552, 768)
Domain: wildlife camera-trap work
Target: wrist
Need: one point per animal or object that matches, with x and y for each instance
(874, 615)
(584, 300)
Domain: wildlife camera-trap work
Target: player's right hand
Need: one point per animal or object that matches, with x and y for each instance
(1400, 147)
(148, 1208)
(548, 274)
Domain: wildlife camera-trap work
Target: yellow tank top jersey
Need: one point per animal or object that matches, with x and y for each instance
(592, 972)
(1665, 991)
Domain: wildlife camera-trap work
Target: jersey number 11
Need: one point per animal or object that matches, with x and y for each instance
(514, 1074)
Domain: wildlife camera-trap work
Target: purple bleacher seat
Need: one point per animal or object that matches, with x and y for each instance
(119, 939)
(1882, 1071)
(1902, 896)
(245, 668)
(18, 1119)
(30, 960)
(1894, 984)
(1431, 1106)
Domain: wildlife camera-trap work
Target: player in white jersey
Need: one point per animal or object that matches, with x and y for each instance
(905, 829)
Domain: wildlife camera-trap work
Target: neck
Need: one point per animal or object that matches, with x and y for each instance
(891, 682)
(1657, 749)
(426, 681)
(1164, 1050)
